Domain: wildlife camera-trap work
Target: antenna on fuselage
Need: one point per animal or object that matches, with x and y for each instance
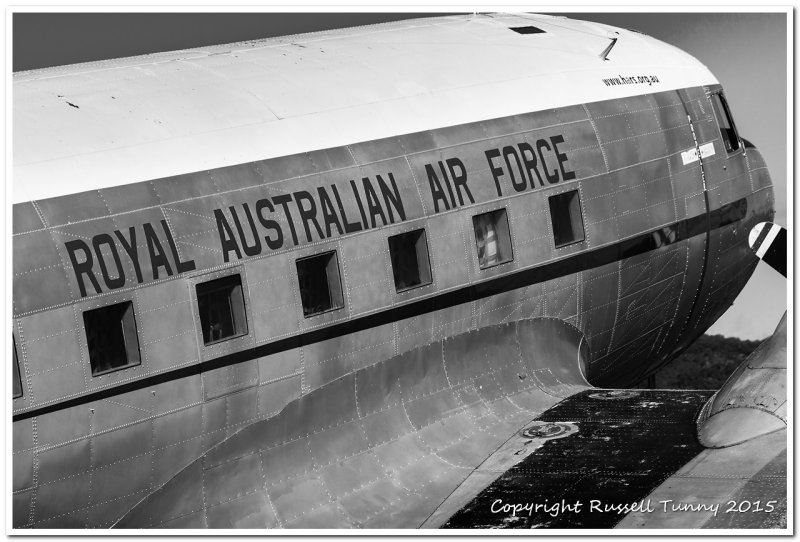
(613, 37)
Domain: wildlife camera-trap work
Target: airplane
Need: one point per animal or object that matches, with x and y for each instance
(395, 276)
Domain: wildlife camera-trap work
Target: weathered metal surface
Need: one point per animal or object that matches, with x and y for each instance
(382, 446)
(752, 402)
(621, 450)
(738, 487)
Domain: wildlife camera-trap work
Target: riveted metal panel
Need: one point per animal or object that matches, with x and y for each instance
(215, 418)
(57, 499)
(181, 187)
(250, 511)
(170, 459)
(22, 470)
(121, 480)
(274, 301)
(73, 208)
(176, 427)
(176, 394)
(122, 410)
(115, 446)
(38, 273)
(331, 159)
(376, 150)
(273, 396)
(227, 481)
(21, 507)
(25, 218)
(365, 262)
(242, 409)
(340, 442)
(130, 197)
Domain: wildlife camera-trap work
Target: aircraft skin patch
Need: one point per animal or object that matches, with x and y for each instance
(623, 449)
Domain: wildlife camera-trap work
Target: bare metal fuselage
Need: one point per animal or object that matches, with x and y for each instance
(665, 211)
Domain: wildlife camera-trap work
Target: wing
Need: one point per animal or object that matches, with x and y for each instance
(487, 429)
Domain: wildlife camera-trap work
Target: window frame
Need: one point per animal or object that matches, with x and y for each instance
(726, 110)
(510, 259)
(138, 345)
(17, 374)
(237, 333)
(427, 259)
(561, 194)
(341, 291)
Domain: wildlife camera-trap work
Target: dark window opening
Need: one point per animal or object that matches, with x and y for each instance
(17, 380)
(320, 284)
(527, 30)
(492, 238)
(410, 261)
(111, 338)
(565, 214)
(726, 126)
(221, 305)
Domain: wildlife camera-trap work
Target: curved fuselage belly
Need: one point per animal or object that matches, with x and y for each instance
(662, 253)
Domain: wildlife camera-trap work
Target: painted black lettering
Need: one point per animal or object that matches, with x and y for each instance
(540, 144)
(529, 160)
(360, 205)
(391, 198)
(497, 172)
(562, 158)
(437, 193)
(182, 267)
(308, 215)
(84, 267)
(226, 238)
(459, 179)
(97, 242)
(373, 205)
(255, 248)
(158, 257)
(349, 227)
(131, 249)
(328, 213)
(522, 184)
(273, 244)
(447, 184)
(283, 200)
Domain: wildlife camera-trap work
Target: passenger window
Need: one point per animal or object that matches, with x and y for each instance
(492, 238)
(565, 215)
(320, 284)
(17, 381)
(726, 126)
(221, 305)
(411, 265)
(111, 338)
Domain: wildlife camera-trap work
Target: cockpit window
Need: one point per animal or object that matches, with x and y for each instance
(726, 126)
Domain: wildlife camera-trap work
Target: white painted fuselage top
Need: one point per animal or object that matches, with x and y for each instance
(101, 124)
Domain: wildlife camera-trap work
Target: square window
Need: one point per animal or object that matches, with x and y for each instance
(111, 338)
(17, 382)
(726, 127)
(492, 238)
(320, 285)
(221, 305)
(411, 265)
(565, 215)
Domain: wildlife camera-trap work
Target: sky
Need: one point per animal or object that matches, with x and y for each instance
(746, 52)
